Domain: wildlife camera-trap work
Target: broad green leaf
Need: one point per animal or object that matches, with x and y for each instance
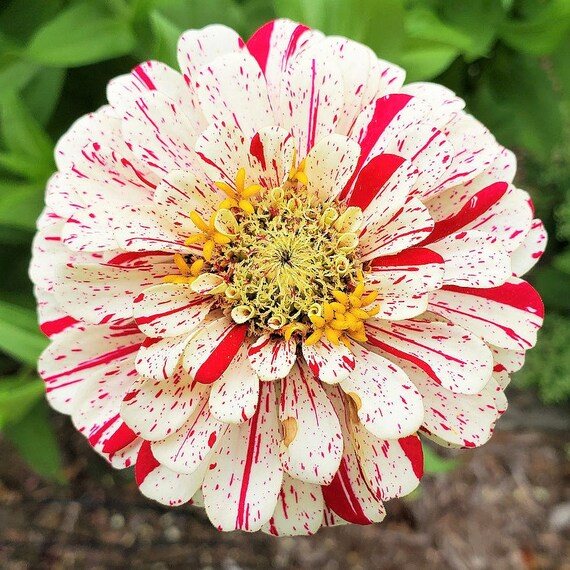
(540, 34)
(562, 261)
(424, 59)
(166, 35)
(26, 319)
(15, 75)
(478, 19)
(84, 33)
(379, 24)
(20, 204)
(18, 337)
(42, 93)
(561, 68)
(20, 18)
(26, 140)
(517, 101)
(426, 25)
(197, 13)
(33, 437)
(17, 395)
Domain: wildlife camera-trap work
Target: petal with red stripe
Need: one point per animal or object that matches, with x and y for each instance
(508, 316)
(155, 409)
(83, 351)
(212, 349)
(185, 450)
(311, 99)
(234, 396)
(168, 487)
(524, 258)
(299, 509)
(232, 89)
(275, 45)
(312, 446)
(387, 403)
(169, 310)
(272, 357)
(244, 477)
(328, 362)
(330, 164)
(448, 353)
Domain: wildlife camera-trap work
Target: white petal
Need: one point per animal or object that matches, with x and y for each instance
(168, 487)
(169, 309)
(453, 357)
(330, 363)
(155, 409)
(212, 349)
(234, 396)
(242, 484)
(508, 316)
(330, 164)
(299, 509)
(530, 251)
(232, 89)
(311, 98)
(83, 351)
(473, 259)
(312, 446)
(388, 404)
(272, 357)
(188, 448)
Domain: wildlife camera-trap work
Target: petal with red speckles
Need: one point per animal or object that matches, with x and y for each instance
(328, 362)
(312, 446)
(299, 509)
(508, 316)
(272, 357)
(155, 409)
(234, 396)
(448, 353)
(170, 310)
(244, 477)
(387, 403)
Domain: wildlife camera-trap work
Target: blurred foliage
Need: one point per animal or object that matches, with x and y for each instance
(507, 58)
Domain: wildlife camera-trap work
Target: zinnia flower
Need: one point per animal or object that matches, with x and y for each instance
(263, 276)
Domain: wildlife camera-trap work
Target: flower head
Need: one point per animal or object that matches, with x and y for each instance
(263, 276)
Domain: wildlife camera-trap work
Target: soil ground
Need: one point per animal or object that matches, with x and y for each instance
(507, 506)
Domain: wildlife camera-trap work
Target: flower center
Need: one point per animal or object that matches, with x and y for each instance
(285, 260)
(282, 260)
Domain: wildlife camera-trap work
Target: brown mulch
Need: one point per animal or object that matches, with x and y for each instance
(506, 507)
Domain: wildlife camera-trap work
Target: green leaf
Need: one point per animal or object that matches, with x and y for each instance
(33, 437)
(434, 464)
(15, 75)
(20, 204)
(84, 33)
(20, 18)
(42, 93)
(426, 25)
(380, 25)
(424, 59)
(30, 147)
(17, 395)
(166, 36)
(543, 33)
(19, 334)
(480, 20)
(517, 101)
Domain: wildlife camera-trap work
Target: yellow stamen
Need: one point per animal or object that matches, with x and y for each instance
(199, 222)
(181, 264)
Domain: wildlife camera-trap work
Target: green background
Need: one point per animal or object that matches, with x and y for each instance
(507, 58)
